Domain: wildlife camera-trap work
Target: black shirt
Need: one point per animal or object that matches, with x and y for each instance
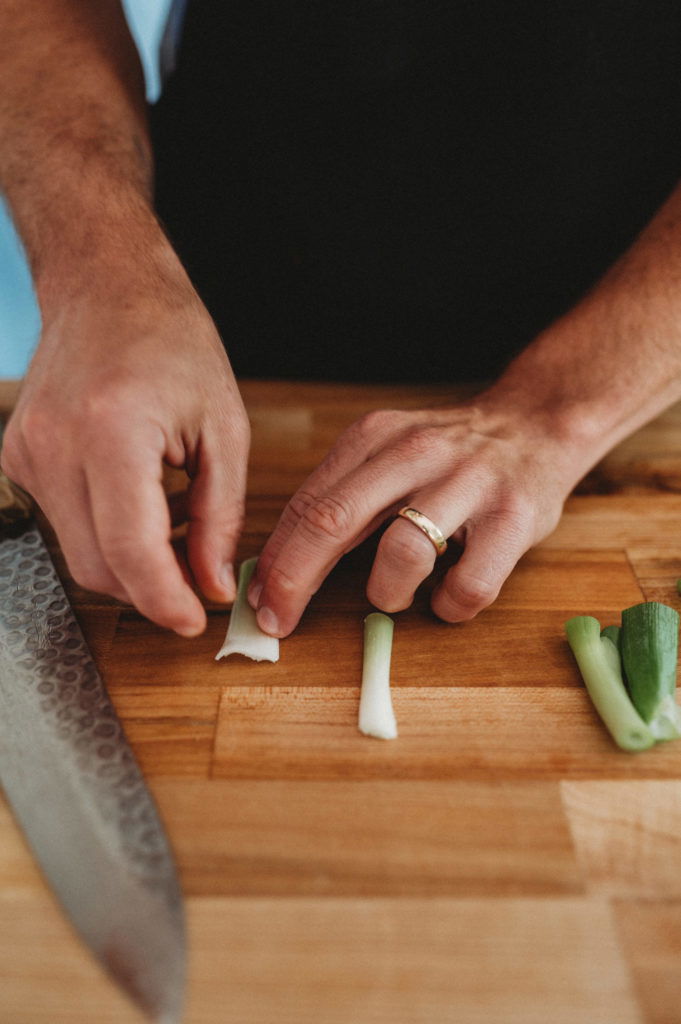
(411, 189)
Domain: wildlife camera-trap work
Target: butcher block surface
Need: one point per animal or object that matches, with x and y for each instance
(501, 862)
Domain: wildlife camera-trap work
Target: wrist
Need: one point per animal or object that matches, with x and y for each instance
(111, 252)
(555, 407)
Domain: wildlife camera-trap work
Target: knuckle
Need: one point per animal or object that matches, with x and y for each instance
(470, 593)
(222, 518)
(326, 518)
(515, 519)
(280, 581)
(297, 507)
(518, 509)
(37, 430)
(408, 548)
(374, 425)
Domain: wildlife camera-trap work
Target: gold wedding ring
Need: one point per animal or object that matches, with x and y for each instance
(427, 526)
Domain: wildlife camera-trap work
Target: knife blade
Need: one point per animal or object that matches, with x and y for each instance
(74, 786)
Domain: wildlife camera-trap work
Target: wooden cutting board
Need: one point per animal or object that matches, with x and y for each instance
(500, 863)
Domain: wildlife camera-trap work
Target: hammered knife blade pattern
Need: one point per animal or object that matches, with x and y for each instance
(76, 789)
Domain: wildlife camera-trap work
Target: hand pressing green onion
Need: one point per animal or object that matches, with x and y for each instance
(630, 672)
(244, 635)
(600, 665)
(376, 716)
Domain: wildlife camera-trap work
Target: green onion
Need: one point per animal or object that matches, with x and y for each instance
(649, 646)
(599, 663)
(613, 633)
(376, 717)
(244, 635)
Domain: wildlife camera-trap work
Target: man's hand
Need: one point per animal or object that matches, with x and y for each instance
(124, 380)
(493, 472)
(130, 371)
(484, 474)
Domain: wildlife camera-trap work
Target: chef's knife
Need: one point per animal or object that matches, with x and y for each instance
(73, 784)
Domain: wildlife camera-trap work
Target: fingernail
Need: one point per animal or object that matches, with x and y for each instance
(254, 592)
(268, 621)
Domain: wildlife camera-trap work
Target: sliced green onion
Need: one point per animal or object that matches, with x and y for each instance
(376, 716)
(613, 633)
(649, 646)
(244, 635)
(600, 665)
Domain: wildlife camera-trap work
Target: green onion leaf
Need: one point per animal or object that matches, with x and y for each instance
(649, 645)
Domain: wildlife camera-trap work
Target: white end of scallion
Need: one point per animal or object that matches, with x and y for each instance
(244, 635)
(376, 716)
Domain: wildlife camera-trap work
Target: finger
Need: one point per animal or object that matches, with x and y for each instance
(67, 508)
(355, 446)
(405, 557)
(327, 528)
(132, 525)
(216, 509)
(60, 490)
(492, 549)
(283, 532)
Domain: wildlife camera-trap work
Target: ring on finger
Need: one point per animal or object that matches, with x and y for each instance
(427, 526)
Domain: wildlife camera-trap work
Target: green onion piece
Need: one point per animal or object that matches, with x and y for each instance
(649, 644)
(376, 717)
(599, 663)
(613, 633)
(244, 635)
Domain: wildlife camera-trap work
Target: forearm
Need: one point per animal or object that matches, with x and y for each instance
(614, 361)
(75, 159)
(130, 372)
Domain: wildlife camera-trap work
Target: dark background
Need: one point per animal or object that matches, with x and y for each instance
(410, 189)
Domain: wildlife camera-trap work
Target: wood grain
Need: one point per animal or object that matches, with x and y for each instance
(379, 960)
(394, 838)
(501, 862)
(650, 937)
(444, 732)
